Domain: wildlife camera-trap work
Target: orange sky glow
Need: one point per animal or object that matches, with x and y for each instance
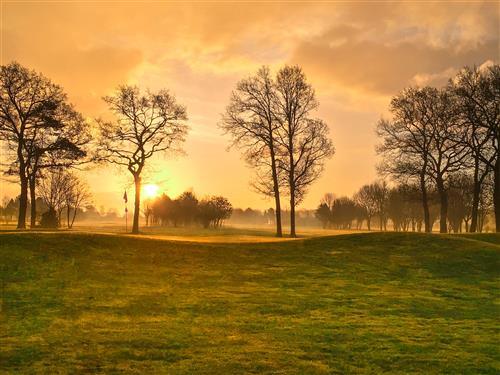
(356, 55)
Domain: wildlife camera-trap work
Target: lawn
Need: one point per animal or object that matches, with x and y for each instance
(358, 303)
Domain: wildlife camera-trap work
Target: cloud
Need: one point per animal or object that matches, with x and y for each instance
(357, 55)
(386, 68)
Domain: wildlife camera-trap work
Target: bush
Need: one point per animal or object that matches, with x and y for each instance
(49, 219)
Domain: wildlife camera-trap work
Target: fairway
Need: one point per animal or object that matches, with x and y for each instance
(357, 303)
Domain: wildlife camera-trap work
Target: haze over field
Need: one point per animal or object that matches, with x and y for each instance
(356, 56)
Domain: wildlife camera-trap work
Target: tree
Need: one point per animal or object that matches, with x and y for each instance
(460, 201)
(324, 211)
(380, 195)
(250, 119)
(147, 124)
(34, 118)
(304, 141)
(50, 219)
(343, 212)
(448, 150)
(77, 195)
(477, 94)
(324, 215)
(365, 198)
(54, 190)
(213, 211)
(60, 144)
(407, 140)
(10, 209)
(223, 210)
(188, 207)
(160, 208)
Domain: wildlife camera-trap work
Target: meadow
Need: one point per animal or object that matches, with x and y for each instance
(77, 302)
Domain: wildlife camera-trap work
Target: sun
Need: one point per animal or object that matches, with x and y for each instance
(150, 190)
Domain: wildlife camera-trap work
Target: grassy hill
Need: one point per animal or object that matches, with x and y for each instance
(363, 303)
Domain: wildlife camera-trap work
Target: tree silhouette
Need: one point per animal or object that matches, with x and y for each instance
(250, 119)
(304, 141)
(35, 121)
(477, 94)
(147, 124)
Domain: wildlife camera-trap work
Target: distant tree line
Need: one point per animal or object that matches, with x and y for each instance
(401, 207)
(255, 217)
(187, 210)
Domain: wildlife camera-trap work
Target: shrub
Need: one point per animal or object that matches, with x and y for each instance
(49, 219)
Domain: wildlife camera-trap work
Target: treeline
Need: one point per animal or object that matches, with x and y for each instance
(254, 217)
(187, 210)
(61, 197)
(379, 206)
(9, 210)
(445, 142)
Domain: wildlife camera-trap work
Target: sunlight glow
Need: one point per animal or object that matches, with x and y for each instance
(150, 190)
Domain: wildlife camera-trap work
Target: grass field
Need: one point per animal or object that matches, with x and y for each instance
(358, 303)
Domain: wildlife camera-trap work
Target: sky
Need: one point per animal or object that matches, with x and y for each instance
(357, 55)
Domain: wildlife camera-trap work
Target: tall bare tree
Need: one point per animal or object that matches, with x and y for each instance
(147, 124)
(304, 141)
(448, 149)
(34, 116)
(477, 97)
(251, 121)
(407, 140)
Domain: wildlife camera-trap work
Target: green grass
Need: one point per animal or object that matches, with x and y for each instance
(359, 303)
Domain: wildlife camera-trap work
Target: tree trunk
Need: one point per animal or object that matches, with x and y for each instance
(74, 217)
(291, 180)
(496, 194)
(279, 231)
(23, 201)
(425, 203)
(476, 196)
(137, 204)
(368, 223)
(292, 215)
(443, 196)
(32, 187)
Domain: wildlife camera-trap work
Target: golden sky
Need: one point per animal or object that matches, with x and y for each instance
(356, 55)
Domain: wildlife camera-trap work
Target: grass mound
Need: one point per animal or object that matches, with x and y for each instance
(364, 303)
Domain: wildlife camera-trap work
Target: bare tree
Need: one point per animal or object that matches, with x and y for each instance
(147, 124)
(251, 121)
(477, 94)
(407, 140)
(59, 144)
(304, 141)
(76, 196)
(373, 200)
(448, 149)
(34, 118)
(54, 189)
